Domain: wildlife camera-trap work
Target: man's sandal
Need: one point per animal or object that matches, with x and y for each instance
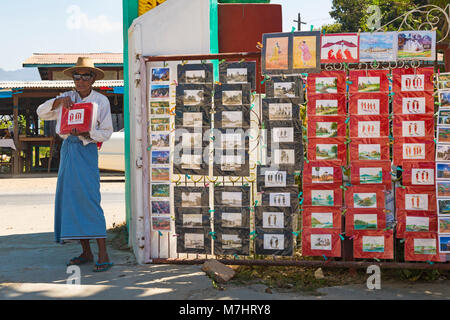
(76, 261)
(103, 266)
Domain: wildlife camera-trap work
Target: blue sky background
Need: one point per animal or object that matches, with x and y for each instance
(65, 26)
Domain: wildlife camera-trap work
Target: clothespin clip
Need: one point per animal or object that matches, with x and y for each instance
(306, 160)
(213, 138)
(149, 147)
(187, 176)
(325, 257)
(352, 237)
(347, 119)
(293, 29)
(206, 185)
(256, 203)
(164, 64)
(428, 261)
(259, 45)
(402, 240)
(203, 61)
(438, 103)
(160, 233)
(343, 188)
(349, 82)
(212, 233)
(264, 146)
(183, 62)
(312, 27)
(300, 194)
(301, 201)
(217, 184)
(222, 61)
(347, 141)
(295, 233)
(252, 106)
(211, 210)
(343, 212)
(378, 260)
(398, 168)
(236, 256)
(402, 186)
(391, 94)
(342, 237)
(242, 60)
(258, 162)
(245, 185)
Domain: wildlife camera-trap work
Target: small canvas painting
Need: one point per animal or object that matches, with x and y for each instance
(283, 134)
(232, 119)
(237, 75)
(365, 200)
(339, 48)
(160, 74)
(326, 129)
(326, 107)
(370, 175)
(443, 188)
(444, 99)
(279, 199)
(159, 91)
(274, 241)
(414, 151)
(425, 246)
(412, 82)
(304, 52)
(444, 244)
(196, 76)
(322, 175)
(192, 220)
(443, 152)
(192, 119)
(368, 129)
(368, 106)
(419, 45)
(161, 223)
(231, 98)
(194, 241)
(275, 179)
(443, 171)
(369, 152)
(443, 134)
(284, 156)
(422, 176)
(368, 84)
(326, 151)
(326, 85)
(416, 201)
(443, 206)
(231, 219)
(417, 224)
(280, 111)
(232, 199)
(378, 46)
(284, 89)
(276, 53)
(321, 242)
(191, 199)
(193, 97)
(273, 220)
(413, 129)
(231, 241)
(373, 244)
(365, 221)
(322, 220)
(323, 198)
(413, 105)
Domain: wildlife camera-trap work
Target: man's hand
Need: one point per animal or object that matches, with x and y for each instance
(75, 132)
(65, 102)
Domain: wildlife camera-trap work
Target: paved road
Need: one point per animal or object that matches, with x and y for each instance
(33, 266)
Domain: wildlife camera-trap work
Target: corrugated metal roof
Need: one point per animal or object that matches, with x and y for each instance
(71, 58)
(56, 84)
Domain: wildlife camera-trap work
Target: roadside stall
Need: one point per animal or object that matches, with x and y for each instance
(298, 144)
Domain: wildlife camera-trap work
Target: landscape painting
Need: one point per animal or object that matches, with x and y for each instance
(369, 152)
(417, 224)
(231, 219)
(321, 242)
(322, 175)
(196, 76)
(443, 170)
(370, 175)
(368, 84)
(443, 134)
(280, 111)
(231, 98)
(419, 45)
(160, 207)
(323, 198)
(231, 241)
(160, 174)
(364, 200)
(192, 119)
(237, 75)
(444, 117)
(443, 206)
(160, 140)
(425, 246)
(160, 74)
(326, 107)
(160, 157)
(230, 162)
(192, 97)
(443, 188)
(443, 152)
(161, 223)
(373, 244)
(191, 161)
(192, 220)
(326, 85)
(322, 220)
(284, 89)
(378, 46)
(444, 99)
(160, 124)
(159, 91)
(231, 199)
(326, 129)
(326, 151)
(194, 241)
(232, 119)
(444, 225)
(365, 221)
(159, 108)
(444, 244)
(160, 190)
(191, 199)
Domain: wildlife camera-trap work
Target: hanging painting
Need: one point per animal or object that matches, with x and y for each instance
(337, 48)
(416, 45)
(377, 46)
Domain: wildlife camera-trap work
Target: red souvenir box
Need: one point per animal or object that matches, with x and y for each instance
(419, 126)
(319, 242)
(322, 217)
(369, 149)
(328, 104)
(364, 219)
(419, 149)
(368, 81)
(322, 196)
(369, 126)
(365, 197)
(418, 173)
(324, 127)
(322, 173)
(413, 79)
(366, 104)
(78, 117)
(333, 149)
(409, 221)
(371, 173)
(422, 246)
(373, 244)
(416, 198)
(326, 82)
(410, 103)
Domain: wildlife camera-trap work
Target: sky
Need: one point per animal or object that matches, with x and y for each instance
(88, 26)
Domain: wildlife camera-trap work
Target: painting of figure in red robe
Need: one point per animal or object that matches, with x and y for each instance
(336, 48)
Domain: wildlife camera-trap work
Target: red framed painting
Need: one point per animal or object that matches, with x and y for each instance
(408, 149)
(365, 197)
(413, 79)
(373, 244)
(413, 126)
(368, 81)
(422, 246)
(367, 104)
(376, 126)
(418, 173)
(364, 219)
(321, 242)
(326, 82)
(339, 48)
(409, 221)
(416, 198)
(322, 196)
(322, 217)
(327, 149)
(329, 104)
(325, 127)
(410, 103)
(322, 172)
(369, 149)
(371, 173)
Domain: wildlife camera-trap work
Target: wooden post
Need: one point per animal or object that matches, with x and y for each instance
(16, 153)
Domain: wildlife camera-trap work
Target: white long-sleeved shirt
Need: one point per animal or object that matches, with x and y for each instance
(101, 131)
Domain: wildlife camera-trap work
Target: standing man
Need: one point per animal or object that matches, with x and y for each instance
(78, 214)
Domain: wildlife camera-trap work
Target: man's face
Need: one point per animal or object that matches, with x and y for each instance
(82, 84)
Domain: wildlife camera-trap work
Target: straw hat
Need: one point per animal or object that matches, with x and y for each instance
(85, 63)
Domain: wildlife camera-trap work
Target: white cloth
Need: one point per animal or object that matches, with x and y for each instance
(7, 143)
(101, 131)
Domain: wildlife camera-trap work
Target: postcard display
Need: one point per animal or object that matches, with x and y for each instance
(211, 127)
(443, 165)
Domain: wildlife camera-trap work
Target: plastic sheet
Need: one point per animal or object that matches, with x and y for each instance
(421, 246)
(412, 222)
